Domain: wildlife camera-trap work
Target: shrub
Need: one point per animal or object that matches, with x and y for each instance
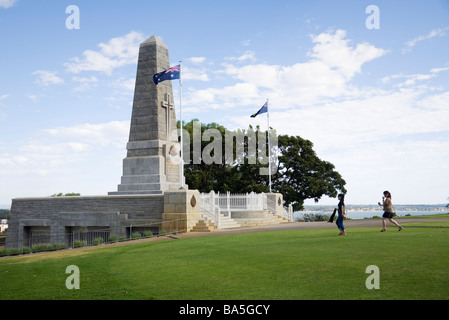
(41, 247)
(47, 247)
(148, 234)
(112, 238)
(316, 217)
(136, 235)
(35, 248)
(97, 241)
(26, 250)
(162, 233)
(59, 246)
(10, 251)
(79, 243)
(122, 238)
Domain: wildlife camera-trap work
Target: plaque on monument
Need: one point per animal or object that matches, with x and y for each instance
(172, 163)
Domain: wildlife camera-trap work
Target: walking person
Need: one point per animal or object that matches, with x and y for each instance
(341, 214)
(388, 211)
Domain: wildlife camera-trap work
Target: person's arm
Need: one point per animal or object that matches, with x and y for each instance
(381, 204)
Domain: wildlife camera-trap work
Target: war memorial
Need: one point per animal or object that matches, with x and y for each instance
(151, 195)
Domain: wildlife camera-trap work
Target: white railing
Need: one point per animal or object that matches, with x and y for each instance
(213, 204)
(209, 209)
(241, 202)
(289, 212)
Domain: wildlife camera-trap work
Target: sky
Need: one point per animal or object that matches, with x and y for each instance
(367, 85)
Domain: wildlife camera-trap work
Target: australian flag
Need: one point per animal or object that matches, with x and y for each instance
(261, 110)
(169, 74)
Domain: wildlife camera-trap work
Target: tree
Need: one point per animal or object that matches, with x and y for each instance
(71, 194)
(230, 170)
(203, 175)
(301, 174)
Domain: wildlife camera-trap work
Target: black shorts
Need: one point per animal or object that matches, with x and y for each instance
(388, 215)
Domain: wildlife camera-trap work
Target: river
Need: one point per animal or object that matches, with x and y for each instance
(368, 211)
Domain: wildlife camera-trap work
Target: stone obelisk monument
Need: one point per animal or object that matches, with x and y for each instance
(152, 162)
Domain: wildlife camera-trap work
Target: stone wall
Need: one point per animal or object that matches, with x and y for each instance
(181, 207)
(59, 214)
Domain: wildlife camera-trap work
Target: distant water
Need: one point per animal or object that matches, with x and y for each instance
(361, 213)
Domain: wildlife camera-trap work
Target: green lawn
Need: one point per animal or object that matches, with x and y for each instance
(297, 264)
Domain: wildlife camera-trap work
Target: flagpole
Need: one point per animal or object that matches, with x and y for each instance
(269, 146)
(181, 167)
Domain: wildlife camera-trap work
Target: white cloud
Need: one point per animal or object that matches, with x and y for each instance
(104, 134)
(377, 137)
(412, 79)
(432, 34)
(326, 76)
(117, 52)
(196, 60)
(46, 78)
(125, 85)
(248, 55)
(85, 83)
(85, 79)
(335, 51)
(223, 98)
(57, 150)
(194, 74)
(32, 97)
(7, 3)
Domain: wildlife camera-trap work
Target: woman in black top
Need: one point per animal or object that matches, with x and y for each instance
(341, 214)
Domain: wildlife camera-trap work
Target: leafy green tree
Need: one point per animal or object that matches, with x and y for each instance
(4, 214)
(301, 174)
(70, 194)
(199, 174)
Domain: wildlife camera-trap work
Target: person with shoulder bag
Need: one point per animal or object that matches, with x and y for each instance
(341, 214)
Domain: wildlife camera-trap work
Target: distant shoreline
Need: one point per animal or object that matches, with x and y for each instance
(375, 207)
(369, 211)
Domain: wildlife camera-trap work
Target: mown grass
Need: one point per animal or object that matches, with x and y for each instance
(297, 264)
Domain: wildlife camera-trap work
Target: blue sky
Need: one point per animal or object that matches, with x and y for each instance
(375, 102)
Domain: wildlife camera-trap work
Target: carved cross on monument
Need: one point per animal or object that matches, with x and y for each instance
(168, 104)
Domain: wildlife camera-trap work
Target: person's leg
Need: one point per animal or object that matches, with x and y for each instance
(395, 223)
(340, 225)
(384, 223)
(338, 222)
